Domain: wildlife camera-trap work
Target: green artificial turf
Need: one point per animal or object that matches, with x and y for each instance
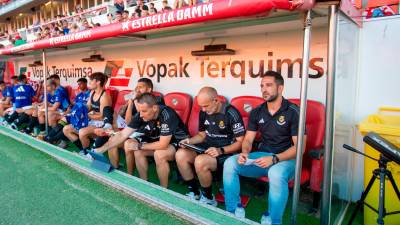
(36, 181)
(36, 189)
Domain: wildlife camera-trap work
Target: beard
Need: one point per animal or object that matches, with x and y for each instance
(272, 98)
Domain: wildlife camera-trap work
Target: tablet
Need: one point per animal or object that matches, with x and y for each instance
(99, 157)
(194, 148)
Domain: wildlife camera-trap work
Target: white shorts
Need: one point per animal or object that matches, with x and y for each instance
(121, 123)
(96, 123)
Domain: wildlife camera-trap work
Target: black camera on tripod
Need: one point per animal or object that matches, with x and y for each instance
(389, 153)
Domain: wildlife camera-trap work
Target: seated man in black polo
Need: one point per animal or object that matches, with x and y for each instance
(154, 131)
(277, 119)
(221, 131)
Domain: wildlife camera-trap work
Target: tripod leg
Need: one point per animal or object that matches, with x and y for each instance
(361, 201)
(396, 189)
(381, 209)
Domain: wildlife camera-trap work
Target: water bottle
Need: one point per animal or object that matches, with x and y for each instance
(266, 219)
(239, 211)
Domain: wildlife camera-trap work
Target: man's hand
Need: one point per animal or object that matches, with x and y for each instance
(185, 141)
(243, 158)
(264, 162)
(214, 152)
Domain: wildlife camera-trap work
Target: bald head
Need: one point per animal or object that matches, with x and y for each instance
(207, 100)
(207, 93)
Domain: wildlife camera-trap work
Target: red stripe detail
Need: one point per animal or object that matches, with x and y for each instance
(217, 10)
(120, 82)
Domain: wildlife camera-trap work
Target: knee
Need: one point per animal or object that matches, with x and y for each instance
(181, 156)
(231, 164)
(277, 177)
(67, 129)
(201, 164)
(128, 145)
(83, 133)
(160, 157)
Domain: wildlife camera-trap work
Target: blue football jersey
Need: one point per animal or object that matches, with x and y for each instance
(23, 95)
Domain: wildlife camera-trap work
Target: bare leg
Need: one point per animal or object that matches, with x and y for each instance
(130, 147)
(204, 165)
(162, 157)
(185, 159)
(85, 134)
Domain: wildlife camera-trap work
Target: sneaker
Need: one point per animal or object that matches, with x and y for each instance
(266, 219)
(63, 144)
(13, 126)
(89, 156)
(239, 211)
(82, 153)
(191, 195)
(207, 201)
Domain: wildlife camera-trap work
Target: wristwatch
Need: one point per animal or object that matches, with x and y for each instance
(140, 145)
(222, 150)
(275, 159)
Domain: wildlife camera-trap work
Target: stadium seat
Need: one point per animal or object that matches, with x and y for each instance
(113, 92)
(158, 94)
(312, 157)
(71, 92)
(120, 100)
(193, 123)
(181, 103)
(245, 104)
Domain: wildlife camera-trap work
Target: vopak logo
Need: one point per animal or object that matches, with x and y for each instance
(120, 76)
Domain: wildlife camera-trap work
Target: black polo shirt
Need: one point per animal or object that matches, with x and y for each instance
(223, 127)
(277, 130)
(167, 123)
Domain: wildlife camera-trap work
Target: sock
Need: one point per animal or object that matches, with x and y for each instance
(59, 136)
(193, 186)
(12, 117)
(207, 192)
(22, 118)
(54, 131)
(32, 123)
(78, 144)
(100, 141)
(42, 126)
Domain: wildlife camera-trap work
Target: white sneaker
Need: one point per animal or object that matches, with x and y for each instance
(89, 156)
(207, 201)
(62, 144)
(266, 219)
(192, 196)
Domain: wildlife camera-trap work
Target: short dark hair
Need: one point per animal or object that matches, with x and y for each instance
(99, 76)
(54, 77)
(2, 82)
(21, 77)
(83, 80)
(14, 77)
(278, 77)
(147, 82)
(118, 12)
(147, 98)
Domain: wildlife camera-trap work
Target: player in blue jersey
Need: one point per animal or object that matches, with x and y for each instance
(6, 97)
(22, 95)
(56, 135)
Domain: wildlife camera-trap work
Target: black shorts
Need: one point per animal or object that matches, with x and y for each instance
(145, 139)
(220, 159)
